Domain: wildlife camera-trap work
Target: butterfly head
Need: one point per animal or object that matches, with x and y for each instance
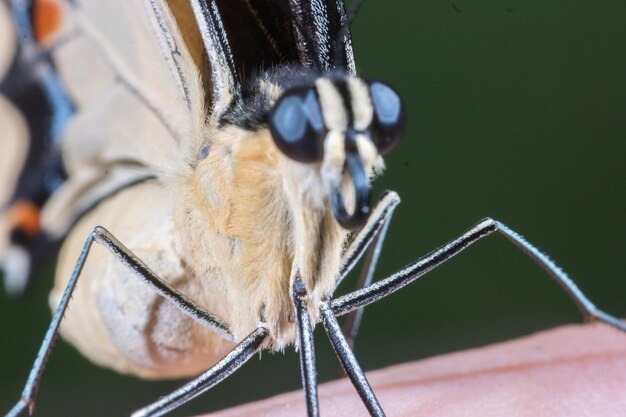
(344, 124)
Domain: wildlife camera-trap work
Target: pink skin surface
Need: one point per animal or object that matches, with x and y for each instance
(568, 371)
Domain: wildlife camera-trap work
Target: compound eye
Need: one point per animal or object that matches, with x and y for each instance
(389, 117)
(297, 126)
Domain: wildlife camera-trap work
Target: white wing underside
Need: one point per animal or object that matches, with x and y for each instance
(138, 98)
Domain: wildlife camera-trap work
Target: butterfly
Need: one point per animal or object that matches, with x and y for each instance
(228, 147)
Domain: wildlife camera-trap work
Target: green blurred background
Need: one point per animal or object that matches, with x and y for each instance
(516, 110)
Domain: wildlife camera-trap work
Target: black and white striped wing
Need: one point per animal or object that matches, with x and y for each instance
(242, 37)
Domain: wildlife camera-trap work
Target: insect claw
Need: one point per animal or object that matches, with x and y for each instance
(299, 289)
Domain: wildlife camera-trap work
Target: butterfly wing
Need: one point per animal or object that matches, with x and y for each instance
(94, 96)
(241, 37)
(34, 110)
(133, 119)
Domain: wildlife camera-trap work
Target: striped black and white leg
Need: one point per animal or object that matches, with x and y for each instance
(216, 374)
(389, 285)
(369, 239)
(306, 345)
(349, 362)
(106, 239)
